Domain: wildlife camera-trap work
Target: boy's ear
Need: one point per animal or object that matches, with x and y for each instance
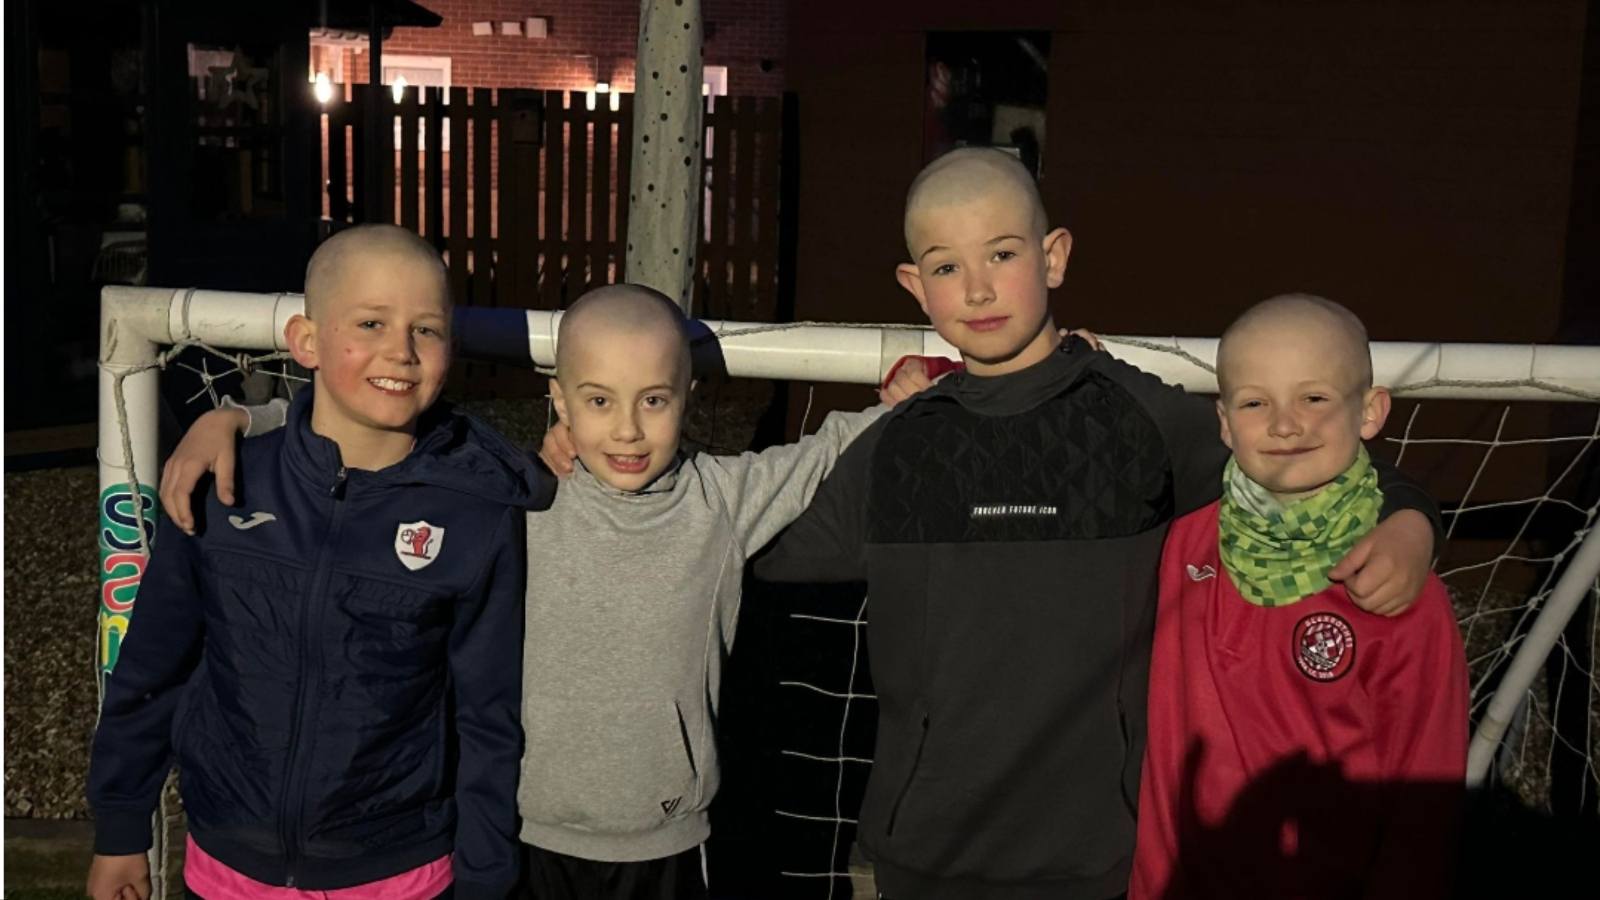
(300, 333)
(1374, 412)
(1057, 248)
(559, 400)
(910, 278)
(1222, 418)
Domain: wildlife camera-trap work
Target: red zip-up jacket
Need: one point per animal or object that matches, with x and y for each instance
(1308, 750)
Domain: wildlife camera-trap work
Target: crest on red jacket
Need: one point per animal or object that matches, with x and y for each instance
(1324, 646)
(418, 543)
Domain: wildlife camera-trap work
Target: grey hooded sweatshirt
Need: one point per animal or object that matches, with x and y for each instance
(632, 603)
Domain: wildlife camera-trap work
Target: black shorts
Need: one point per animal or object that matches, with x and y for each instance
(555, 876)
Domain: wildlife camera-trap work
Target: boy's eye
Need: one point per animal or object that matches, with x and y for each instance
(369, 324)
(944, 269)
(1316, 398)
(1003, 255)
(655, 402)
(597, 402)
(427, 330)
(1251, 404)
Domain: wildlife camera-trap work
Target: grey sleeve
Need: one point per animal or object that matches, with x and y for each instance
(269, 416)
(765, 492)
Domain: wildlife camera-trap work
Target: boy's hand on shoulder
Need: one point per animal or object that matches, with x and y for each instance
(209, 446)
(557, 450)
(119, 877)
(1385, 571)
(1089, 336)
(911, 375)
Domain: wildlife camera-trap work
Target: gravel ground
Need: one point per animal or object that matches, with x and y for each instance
(50, 605)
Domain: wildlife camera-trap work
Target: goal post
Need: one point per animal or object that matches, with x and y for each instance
(143, 328)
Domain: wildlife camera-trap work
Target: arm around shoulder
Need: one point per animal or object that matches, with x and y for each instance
(827, 542)
(1189, 428)
(768, 490)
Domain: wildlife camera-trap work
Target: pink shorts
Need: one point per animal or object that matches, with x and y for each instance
(214, 881)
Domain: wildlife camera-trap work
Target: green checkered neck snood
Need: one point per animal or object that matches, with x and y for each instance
(1278, 554)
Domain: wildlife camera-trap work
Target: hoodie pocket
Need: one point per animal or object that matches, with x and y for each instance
(911, 778)
(607, 766)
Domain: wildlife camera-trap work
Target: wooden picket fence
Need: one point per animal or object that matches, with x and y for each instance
(535, 184)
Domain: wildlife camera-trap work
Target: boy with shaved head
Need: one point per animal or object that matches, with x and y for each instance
(1008, 523)
(636, 577)
(634, 583)
(1298, 747)
(335, 671)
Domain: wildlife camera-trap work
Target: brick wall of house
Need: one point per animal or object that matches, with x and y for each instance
(1413, 161)
(747, 36)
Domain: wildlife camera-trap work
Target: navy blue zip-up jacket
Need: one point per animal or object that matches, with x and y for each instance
(335, 665)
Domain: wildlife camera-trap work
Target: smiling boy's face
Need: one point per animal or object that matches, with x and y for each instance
(982, 264)
(377, 332)
(1296, 402)
(622, 388)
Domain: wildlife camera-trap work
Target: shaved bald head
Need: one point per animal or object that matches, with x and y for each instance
(340, 255)
(1328, 322)
(629, 309)
(968, 174)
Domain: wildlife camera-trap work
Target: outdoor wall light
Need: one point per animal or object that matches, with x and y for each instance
(398, 88)
(322, 88)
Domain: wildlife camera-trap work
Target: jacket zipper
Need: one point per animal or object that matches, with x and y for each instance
(290, 827)
(905, 789)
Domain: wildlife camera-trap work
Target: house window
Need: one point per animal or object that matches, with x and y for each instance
(714, 83)
(416, 71)
(986, 89)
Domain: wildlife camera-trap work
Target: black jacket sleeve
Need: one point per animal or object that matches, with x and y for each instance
(1400, 492)
(486, 670)
(132, 750)
(828, 543)
(1189, 426)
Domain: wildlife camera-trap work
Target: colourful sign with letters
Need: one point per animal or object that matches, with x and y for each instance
(122, 562)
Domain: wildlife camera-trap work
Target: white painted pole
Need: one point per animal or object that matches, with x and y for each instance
(1576, 582)
(132, 324)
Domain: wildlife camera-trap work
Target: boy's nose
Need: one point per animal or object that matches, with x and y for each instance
(1283, 424)
(979, 291)
(626, 427)
(402, 348)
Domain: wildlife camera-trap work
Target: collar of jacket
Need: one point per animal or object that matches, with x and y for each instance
(1018, 392)
(453, 450)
